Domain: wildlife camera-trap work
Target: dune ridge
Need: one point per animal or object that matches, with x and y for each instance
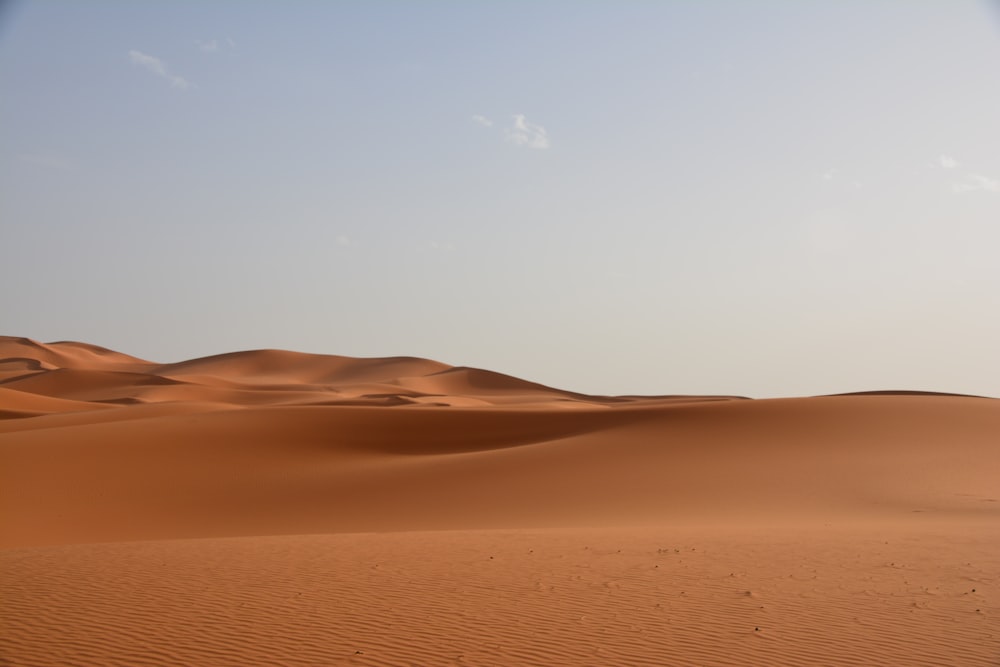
(317, 509)
(91, 373)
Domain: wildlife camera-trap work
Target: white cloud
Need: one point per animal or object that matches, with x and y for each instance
(343, 240)
(214, 45)
(948, 162)
(523, 133)
(985, 183)
(828, 176)
(156, 66)
(482, 120)
(975, 182)
(149, 62)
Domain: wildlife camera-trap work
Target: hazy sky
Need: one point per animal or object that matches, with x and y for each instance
(758, 198)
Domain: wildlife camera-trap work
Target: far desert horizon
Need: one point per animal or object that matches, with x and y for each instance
(207, 358)
(569, 389)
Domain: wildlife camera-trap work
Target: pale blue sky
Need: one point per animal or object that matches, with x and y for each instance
(749, 197)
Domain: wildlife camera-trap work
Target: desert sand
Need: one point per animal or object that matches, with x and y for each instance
(279, 508)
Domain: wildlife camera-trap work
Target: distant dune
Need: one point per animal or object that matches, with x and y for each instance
(278, 507)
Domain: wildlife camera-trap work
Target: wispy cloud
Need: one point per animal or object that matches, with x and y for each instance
(523, 133)
(482, 120)
(947, 162)
(214, 45)
(156, 66)
(974, 182)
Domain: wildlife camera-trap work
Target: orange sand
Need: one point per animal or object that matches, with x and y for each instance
(273, 507)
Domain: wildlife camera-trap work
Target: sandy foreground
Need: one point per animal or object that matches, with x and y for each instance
(279, 508)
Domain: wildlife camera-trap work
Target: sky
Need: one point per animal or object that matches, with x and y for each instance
(762, 198)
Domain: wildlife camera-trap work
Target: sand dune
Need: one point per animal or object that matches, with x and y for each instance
(314, 509)
(67, 354)
(281, 366)
(16, 404)
(346, 468)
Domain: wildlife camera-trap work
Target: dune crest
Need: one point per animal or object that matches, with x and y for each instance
(255, 378)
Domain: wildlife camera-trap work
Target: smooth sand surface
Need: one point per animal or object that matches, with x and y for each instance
(273, 507)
